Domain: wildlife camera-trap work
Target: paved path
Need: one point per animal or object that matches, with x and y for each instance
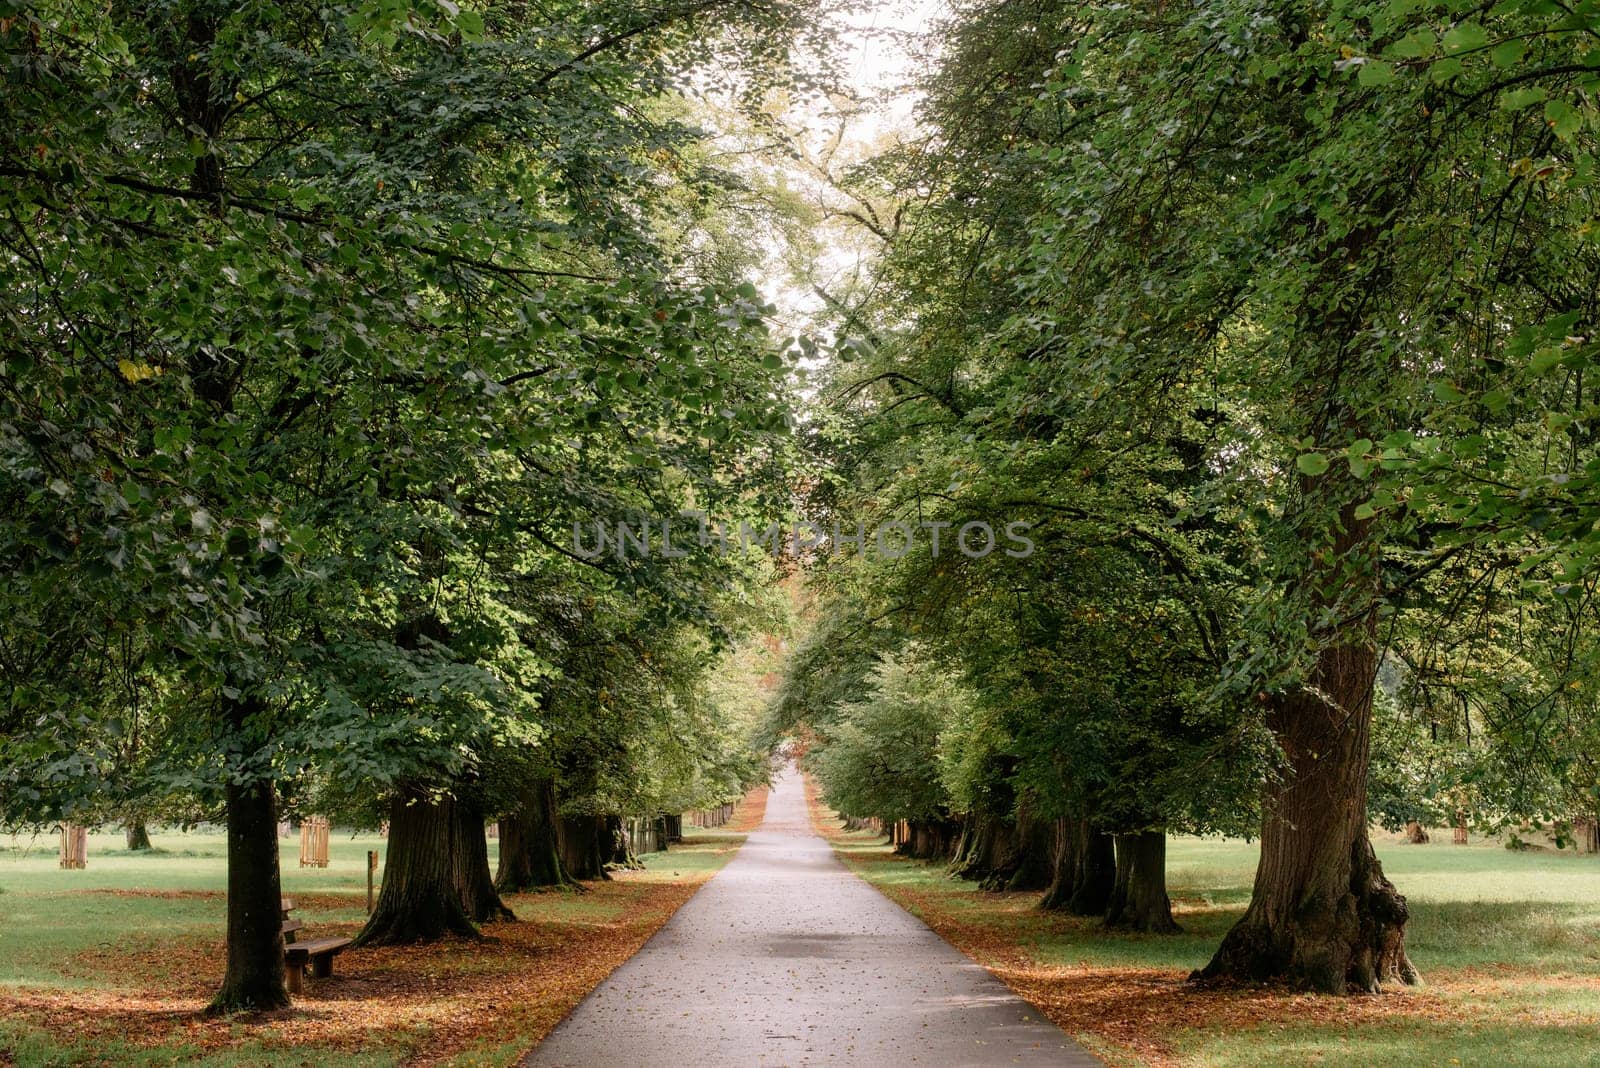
(786, 958)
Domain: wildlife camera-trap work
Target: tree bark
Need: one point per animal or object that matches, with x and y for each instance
(254, 979)
(1086, 869)
(1033, 866)
(469, 866)
(530, 852)
(1097, 873)
(1063, 866)
(138, 834)
(419, 901)
(931, 839)
(1139, 899)
(581, 837)
(986, 851)
(614, 843)
(1321, 913)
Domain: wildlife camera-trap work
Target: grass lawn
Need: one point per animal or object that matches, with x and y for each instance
(1508, 943)
(111, 965)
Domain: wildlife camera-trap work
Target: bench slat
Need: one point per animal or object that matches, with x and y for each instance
(316, 947)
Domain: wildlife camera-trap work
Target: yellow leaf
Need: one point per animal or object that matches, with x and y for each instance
(137, 372)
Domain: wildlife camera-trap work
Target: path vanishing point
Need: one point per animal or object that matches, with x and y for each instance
(788, 958)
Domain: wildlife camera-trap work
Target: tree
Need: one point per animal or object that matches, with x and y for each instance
(305, 323)
(1303, 299)
(882, 757)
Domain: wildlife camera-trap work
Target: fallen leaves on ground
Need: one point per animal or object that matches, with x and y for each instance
(430, 1002)
(1136, 1015)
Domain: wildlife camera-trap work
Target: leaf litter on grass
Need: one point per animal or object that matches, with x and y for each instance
(487, 1001)
(1140, 1015)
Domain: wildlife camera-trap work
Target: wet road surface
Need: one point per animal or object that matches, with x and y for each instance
(786, 958)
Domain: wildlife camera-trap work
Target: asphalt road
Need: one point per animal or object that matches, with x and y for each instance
(787, 958)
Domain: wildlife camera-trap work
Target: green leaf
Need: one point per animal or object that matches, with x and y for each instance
(1375, 72)
(1508, 53)
(1465, 36)
(1565, 119)
(1311, 464)
(1414, 45)
(1521, 98)
(1546, 359)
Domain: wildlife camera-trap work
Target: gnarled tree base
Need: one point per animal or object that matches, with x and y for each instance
(469, 855)
(984, 850)
(1339, 939)
(1033, 862)
(138, 835)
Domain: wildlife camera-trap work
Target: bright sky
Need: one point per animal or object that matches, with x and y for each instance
(883, 46)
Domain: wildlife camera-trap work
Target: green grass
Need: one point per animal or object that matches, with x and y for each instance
(47, 915)
(52, 920)
(1401, 1044)
(28, 1047)
(1511, 939)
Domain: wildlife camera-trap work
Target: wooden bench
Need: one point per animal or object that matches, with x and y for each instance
(317, 952)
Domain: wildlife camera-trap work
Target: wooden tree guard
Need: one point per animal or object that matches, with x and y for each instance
(372, 874)
(1459, 836)
(314, 842)
(1587, 833)
(74, 845)
(711, 817)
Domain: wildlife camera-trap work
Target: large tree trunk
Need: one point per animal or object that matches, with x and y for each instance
(931, 839)
(1033, 865)
(469, 867)
(614, 843)
(582, 838)
(1139, 896)
(419, 901)
(254, 979)
(1321, 914)
(1086, 870)
(138, 834)
(987, 850)
(530, 851)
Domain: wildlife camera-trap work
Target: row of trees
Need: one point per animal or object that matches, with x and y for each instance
(323, 325)
(1275, 322)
